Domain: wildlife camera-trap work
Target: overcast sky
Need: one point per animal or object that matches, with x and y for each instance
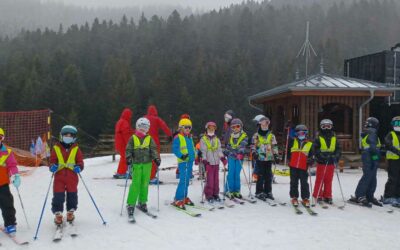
(200, 4)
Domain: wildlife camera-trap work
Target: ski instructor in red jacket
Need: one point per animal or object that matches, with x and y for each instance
(156, 123)
(123, 132)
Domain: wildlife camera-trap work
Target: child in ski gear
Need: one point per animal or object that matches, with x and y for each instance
(392, 187)
(264, 150)
(66, 162)
(211, 151)
(235, 150)
(8, 174)
(226, 131)
(183, 116)
(327, 153)
(156, 123)
(370, 146)
(300, 158)
(184, 150)
(123, 131)
(141, 151)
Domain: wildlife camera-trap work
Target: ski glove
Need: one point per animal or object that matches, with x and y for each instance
(16, 180)
(375, 157)
(77, 169)
(157, 162)
(205, 162)
(184, 157)
(239, 157)
(53, 168)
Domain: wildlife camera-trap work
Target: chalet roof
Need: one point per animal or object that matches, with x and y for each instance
(325, 82)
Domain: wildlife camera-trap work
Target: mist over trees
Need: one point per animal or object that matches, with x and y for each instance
(196, 64)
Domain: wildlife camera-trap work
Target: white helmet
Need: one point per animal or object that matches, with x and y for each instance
(143, 123)
(260, 118)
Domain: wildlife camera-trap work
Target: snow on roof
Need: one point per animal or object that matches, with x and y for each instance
(326, 82)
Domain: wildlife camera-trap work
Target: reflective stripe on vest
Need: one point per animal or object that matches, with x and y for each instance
(4, 158)
(263, 141)
(71, 158)
(137, 145)
(324, 147)
(305, 149)
(210, 147)
(183, 148)
(365, 145)
(395, 141)
(241, 138)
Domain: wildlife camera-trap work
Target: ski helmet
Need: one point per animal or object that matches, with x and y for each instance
(396, 123)
(259, 118)
(236, 121)
(185, 122)
(69, 129)
(372, 122)
(229, 115)
(211, 123)
(143, 123)
(301, 131)
(326, 124)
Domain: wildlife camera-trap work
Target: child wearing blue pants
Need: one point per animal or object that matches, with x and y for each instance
(183, 148)
(235, 150)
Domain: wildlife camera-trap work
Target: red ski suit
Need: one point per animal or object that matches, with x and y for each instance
(156, 123)
(123, 132)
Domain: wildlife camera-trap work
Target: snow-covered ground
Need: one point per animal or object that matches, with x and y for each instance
(248, 226)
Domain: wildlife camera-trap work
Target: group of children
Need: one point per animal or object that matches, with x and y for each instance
(66, 163)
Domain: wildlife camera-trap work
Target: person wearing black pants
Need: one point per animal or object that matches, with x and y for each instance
(264, 181)
(296, 175)
(7, 205)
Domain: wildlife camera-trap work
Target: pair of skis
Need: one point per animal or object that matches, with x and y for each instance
(309, 210)
(59, 233)
(132, 219)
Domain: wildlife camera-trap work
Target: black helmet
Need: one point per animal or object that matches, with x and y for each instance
(372, 122)
(301, 127)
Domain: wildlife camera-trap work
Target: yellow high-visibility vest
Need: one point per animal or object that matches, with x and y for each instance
(70, 161)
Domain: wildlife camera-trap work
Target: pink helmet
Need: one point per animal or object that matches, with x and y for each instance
(211, 124)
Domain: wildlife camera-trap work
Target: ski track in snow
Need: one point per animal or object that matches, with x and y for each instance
(251, 226)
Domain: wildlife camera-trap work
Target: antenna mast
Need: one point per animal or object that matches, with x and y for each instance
(306, 49)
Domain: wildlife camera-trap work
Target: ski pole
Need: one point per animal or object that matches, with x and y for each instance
(247, 182)
(158, 189)
(123, 197)
(23, 208)
(203, 180)
(287, 144)
(91, 197)
(320, 186)
(311, 187)
(223, 197)
(44, 205)
(340, 185)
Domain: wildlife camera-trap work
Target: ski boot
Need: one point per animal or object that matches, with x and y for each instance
(216, 198)
(70, 216)
(306, 202)
(229, 195)
(10, 230)
(269, 196)
(120, 176)
(131, 210)
(142, 207)
(328, 201)
(362, 201)
(58, 219)
(155, 181)
(237, 195)
(261, 196)
(295, 202)
(375, 202)
(188, 202)
(179, 204)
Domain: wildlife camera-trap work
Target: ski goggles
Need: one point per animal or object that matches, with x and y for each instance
(235, 126)
(326, 126)
(302, 133)
(187, 127)
(396, 123)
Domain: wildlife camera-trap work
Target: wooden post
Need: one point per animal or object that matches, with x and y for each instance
(341, 166)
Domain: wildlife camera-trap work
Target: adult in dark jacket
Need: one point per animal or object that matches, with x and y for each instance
(123, 132)
(156, 123)
(370, 146)
(392, 187)
(327, 152)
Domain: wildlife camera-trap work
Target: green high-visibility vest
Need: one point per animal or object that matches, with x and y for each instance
(144, 145)
(210, 147)
(305, 149)
(70, 161)
(365, 145)
(324, 147)
(241, 138)
(395, 141)
(264, 141)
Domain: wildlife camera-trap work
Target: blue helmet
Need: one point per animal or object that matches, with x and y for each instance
(68, 129)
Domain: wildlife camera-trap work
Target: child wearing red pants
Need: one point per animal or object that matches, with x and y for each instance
(66, 162)
(210, 147)
(327, 153)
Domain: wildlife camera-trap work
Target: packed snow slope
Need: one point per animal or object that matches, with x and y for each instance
(248, 226)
